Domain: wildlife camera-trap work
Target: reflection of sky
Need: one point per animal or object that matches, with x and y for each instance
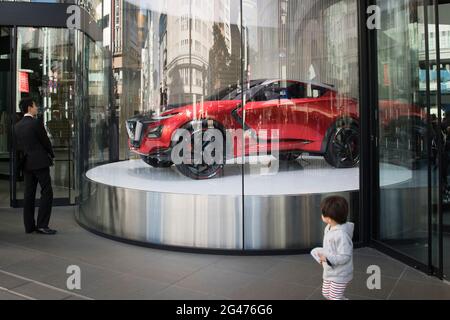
(445, 75)
(445, 78)
(177, 8)
(249, 7)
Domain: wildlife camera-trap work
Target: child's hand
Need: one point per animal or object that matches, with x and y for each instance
(323, 259)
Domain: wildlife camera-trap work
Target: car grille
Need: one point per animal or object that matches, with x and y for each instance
(135, 129)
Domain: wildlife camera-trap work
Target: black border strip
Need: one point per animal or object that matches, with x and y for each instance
(439, 104)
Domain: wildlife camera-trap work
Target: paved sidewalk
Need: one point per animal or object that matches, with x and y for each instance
(34, 267)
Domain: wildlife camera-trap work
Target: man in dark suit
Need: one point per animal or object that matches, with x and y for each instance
(33, 141)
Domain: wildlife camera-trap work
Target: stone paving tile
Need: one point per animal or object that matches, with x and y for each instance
(40, 292)
(179, 293)
(266, 289)
(10, 282)
(127, 287)
(213, 281)
(414, 290)
(11, 254)
(250, 265)
(298, 273)
(4, 295)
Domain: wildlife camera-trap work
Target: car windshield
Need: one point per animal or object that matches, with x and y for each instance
(235, 92)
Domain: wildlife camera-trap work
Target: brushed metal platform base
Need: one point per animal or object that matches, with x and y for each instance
(193, 222)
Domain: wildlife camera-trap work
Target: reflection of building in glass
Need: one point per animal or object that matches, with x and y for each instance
(150, 98)
(48, 70)
(397, 45)
(307, 40)
(162, 60)
(128, 28)
(187, 61)
(444, 49)
(189, 41)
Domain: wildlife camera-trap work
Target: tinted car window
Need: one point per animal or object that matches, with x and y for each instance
(236, 93)
(281, 90)
(314, 91)
(295, 90)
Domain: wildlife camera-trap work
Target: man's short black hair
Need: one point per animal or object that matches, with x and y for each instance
(25, 103)
(335, 208)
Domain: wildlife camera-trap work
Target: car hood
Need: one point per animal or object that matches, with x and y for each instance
(202, 108)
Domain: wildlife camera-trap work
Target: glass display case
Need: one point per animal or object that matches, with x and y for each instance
(236, 119)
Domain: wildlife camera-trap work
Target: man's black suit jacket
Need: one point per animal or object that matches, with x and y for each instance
(33, 141)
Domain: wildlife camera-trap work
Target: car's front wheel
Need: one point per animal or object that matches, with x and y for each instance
(343, 149)
(197, 167)
(156, 163)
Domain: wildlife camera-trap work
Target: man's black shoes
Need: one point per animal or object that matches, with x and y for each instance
(46, 231)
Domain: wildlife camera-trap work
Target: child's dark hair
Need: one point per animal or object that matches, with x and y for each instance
(335, 208)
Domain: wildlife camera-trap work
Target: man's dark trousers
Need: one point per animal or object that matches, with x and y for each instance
(32, 178)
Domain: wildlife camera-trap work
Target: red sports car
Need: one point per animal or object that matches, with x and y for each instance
(308, 117)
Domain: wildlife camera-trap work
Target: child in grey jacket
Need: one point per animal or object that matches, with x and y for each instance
(336, 256)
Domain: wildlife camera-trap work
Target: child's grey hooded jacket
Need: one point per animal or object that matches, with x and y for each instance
(338, 249)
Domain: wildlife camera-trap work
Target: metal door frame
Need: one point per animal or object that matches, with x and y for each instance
(45, 15)
(373, 178)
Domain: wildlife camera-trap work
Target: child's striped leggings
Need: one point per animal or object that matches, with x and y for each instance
(333, 290)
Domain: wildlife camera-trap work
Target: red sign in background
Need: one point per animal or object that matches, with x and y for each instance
(387, 79)
(24, 85)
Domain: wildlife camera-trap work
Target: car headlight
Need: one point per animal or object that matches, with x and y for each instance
(155, 132)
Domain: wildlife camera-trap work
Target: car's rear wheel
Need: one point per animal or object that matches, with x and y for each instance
(344, 146)
(200, 169)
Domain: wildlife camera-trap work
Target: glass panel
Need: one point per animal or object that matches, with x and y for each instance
(403, 223)
(5, 120)
(301, 114)
(98, 104)
(175, 75)
(93, 121)
(45, 72)
(185, 61)
(444, 44)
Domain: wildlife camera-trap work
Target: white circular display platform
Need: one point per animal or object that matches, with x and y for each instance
(312, 176)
